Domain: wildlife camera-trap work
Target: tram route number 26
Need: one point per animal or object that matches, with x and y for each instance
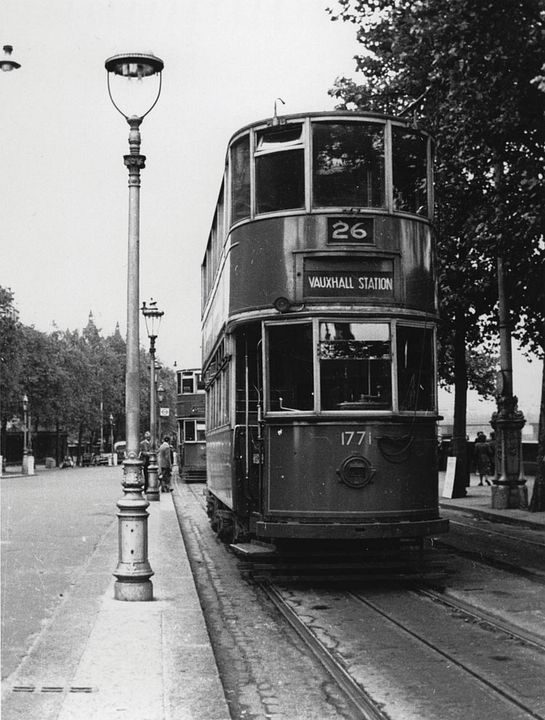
(350, 230)
(353, 437)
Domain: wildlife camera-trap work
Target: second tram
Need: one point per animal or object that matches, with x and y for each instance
(319, 320)
(191, 425)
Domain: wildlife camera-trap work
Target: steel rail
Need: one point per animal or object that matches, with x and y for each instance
(490, 686)
(359, 699)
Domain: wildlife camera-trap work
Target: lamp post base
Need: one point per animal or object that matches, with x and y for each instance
(133, 591)
(133, 571)
(152, 493)
(509, 497)
(28, 465)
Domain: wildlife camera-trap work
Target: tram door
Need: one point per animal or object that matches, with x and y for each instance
(247, 444)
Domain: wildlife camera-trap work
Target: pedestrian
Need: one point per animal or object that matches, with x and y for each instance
(482, 458)
(164, 461)
(145, 454)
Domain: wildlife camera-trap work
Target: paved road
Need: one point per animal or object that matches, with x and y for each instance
(51, 525)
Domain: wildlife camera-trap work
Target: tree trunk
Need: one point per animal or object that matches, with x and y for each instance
(537, 503)
(459, 433)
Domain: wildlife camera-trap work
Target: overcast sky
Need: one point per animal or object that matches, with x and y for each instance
(63, 225)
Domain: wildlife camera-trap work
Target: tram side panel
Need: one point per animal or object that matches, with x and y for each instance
(362, 471)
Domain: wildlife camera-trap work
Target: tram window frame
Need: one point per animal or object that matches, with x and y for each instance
(240, 178)
(375, 184)
(411, 196)
(345, 364)
(280, 168)
(297, 395)
(421, 356)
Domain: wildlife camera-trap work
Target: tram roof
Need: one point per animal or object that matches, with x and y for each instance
(347, 114)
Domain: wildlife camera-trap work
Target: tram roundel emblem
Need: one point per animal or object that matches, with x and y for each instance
(356, 471)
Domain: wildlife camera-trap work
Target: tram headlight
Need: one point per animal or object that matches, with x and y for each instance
(282, 304)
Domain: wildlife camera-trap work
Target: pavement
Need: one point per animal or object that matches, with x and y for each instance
(102, 659)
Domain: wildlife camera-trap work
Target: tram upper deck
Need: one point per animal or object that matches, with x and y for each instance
(321, 212)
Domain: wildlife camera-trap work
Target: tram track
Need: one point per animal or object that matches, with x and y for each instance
(362, 702)
(440, 644)
(409, 650)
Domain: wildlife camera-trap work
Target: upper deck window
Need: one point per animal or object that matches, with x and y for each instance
(280, 169)
(409, 171)
(348, 165)
(240, 179)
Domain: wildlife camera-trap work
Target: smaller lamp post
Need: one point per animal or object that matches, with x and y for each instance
(112, 438)
(28, 458)
(152, 316)
(160, 397)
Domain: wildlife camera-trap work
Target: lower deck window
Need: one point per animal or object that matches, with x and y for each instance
(291, 367)
(355, 366)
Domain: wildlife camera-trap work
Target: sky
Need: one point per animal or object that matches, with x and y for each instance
(63, 184)
(64, 223)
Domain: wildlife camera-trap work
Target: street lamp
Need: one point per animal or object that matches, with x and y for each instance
(6, 63)
(152, 316)
(160, 397)
(112, 438)
(28, 457)
(135, 73)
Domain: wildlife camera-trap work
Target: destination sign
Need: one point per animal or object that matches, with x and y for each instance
(326, 278)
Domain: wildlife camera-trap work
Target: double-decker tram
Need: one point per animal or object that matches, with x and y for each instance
(319, 320)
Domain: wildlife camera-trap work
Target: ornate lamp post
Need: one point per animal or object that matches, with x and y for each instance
(135, 73)
(7, 64)
(160, 397)
(28, 457)
(152, 316)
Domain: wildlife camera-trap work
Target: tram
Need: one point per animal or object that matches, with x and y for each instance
(319, 314)
(191, 425)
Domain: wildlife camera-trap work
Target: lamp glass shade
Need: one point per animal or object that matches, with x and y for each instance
(134, 82)
(152, 316)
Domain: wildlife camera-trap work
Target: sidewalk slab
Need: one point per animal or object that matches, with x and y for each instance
(101, 658)
(478, 502)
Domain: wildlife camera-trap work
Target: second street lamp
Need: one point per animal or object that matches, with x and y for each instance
(152, 316)
(136, 73)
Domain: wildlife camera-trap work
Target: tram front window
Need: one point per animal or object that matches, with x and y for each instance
(415, 368)
(355, 366)
(348, 165)
(290, 367)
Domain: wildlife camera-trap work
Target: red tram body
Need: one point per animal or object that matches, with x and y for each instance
(319, 319)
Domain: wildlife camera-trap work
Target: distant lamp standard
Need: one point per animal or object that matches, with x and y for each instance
(28, 457)
(160, 397)
(7, 63)
(130, 78)
(112, 439)
(152, 316)
(509, 488)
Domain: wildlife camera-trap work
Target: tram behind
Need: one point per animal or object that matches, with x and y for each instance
(319, 320)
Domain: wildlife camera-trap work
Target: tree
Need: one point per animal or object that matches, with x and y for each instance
(466, 72)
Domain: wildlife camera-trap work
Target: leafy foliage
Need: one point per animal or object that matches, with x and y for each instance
(472, 74)
(74, 380)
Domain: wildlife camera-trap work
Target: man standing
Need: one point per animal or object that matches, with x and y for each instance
(164, 461)
(145, 453)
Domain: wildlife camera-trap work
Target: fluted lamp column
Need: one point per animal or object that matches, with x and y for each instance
(152, 316)
(134, 86)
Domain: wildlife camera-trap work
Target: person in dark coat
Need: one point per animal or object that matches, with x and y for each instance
(145, 452)
(164, 462)
(482, 457)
